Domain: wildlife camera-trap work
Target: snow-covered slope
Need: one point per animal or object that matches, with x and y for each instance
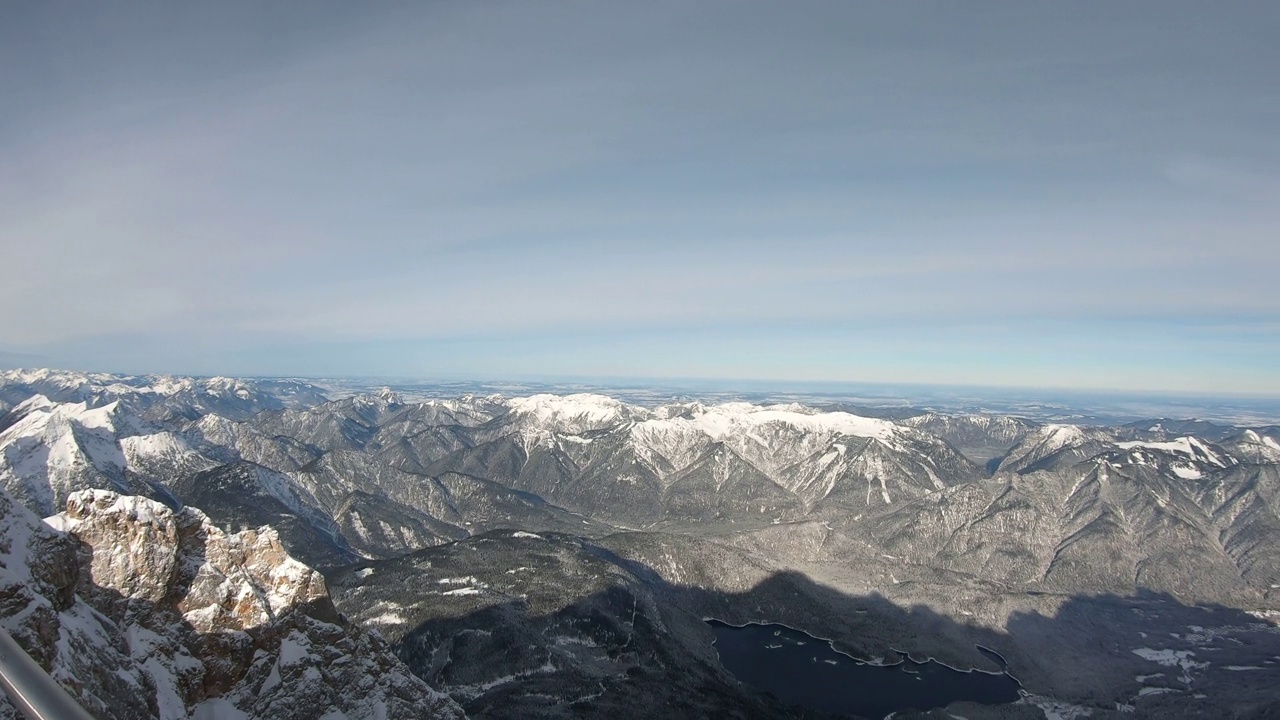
(50, 450)
(1252, 446)
(1186, 457)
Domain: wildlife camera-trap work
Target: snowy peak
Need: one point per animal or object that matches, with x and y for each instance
(1055, 445)
(52, 449)
(1254, 437)
(378, 403)
(39, 413)
(389, 396)
(541, 416)
(1060, 446)
(159, 445)
(730, 419)
(32, 404)
(226, 387)
(584, 408)
(1055, 437)
(1187, 446)
(768, 437)
(1252, 446)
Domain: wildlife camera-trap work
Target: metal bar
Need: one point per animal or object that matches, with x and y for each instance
(30, 688)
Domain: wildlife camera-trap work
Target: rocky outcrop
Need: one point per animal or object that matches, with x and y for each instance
(145, 612)
(143, 553)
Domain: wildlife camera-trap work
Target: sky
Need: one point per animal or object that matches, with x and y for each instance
(1069, 195)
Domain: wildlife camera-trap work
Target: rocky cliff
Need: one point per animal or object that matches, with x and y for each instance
(145, 612)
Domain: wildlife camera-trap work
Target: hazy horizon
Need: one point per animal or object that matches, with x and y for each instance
(904, 391)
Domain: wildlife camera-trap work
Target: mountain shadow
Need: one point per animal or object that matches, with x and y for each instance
(513, 624)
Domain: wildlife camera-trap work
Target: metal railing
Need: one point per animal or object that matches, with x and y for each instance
(30, 689)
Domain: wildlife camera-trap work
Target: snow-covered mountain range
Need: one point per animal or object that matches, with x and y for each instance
(924, 508)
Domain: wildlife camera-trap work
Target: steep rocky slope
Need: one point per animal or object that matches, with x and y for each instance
(143, 612)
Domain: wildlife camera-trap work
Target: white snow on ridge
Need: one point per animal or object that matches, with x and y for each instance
(54, 446)
(584, 407)
(33, 403)
(584, 411)
(544, 415)
(163, 444)
(681, 432)
(1060, 436)
(732, 419)
(1189, 446)
(835, 422)
(39, 413)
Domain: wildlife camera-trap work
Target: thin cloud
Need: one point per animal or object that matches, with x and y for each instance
(494, 170)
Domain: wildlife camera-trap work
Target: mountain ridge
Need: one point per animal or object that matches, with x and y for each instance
(980, 517)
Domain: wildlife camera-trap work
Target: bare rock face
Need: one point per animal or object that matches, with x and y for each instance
(81, 649)
(144, 612)
(179, 561)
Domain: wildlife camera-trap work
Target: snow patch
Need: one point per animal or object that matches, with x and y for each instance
(294, 648)
(1060, 436)
(60, 522)
(1154, 691)
(1055, 709)
(218, 709)
(388, 618)
(1187, 445)
(1172, 658)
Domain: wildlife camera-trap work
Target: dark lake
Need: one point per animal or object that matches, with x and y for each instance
(802, 670)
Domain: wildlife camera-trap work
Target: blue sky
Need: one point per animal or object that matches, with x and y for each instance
(1066, 196)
